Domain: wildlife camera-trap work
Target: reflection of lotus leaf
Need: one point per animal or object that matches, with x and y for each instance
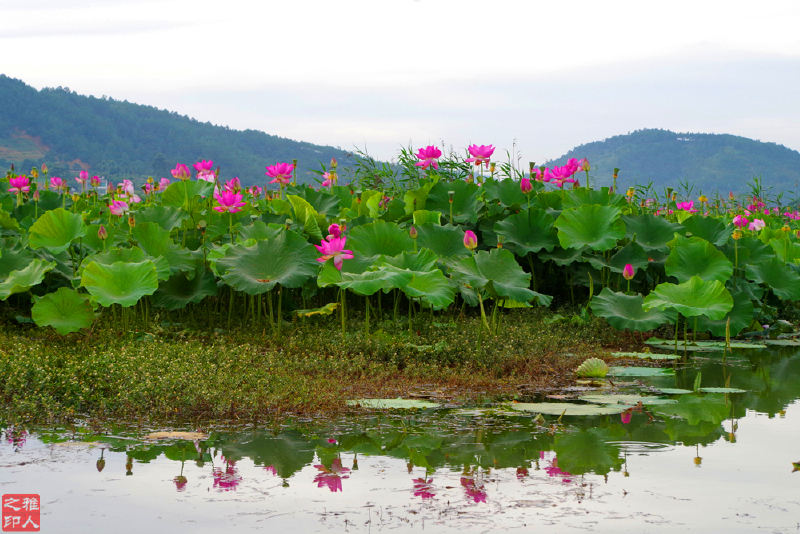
(641, 371)
(711, 408)
(566, 408)
(645, 355)
(587, 450)
(176, 434)
(390, 404)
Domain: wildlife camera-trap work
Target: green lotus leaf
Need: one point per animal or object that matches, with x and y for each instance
(328, 309)
(380, 237)
(529, 230)
(127, 255)
(465, 204)
(20, 281)
(781, 279)
(415, 199)
(723, 390)
(156, 241)
(508, 193)
(630, 254)
(426, 216)
(593, 226)
(495, 271)
(7, 222)
(550, 200)
(13, 260)
(645, 355)
(66, 310)
(561, 256)
(446, 241)
(592, 368)
(305, 213)
(640, 371)
(259, 231)
(92, 241)
(694, 256)
(56, 229)
(423, 261)
(750, 251)
(432, 286)
(692, 298)
(120, 283)
(322, 201)
(370, 282)
(629, 400)
(288, 260)
(785, 250)
(176, 193)
(626, 311)
(167, 217)
(674, 391)
(708, 228)
(741, 315)
(651, 232)
(177, 292)
(329, 275)
(392, 404)
(576, 198)
(565, 408)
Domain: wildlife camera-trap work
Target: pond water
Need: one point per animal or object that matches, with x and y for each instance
(707, 461)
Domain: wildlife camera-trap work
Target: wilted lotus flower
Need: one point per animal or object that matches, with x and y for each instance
(480, 153)
(470, 240)
(181, 172)
(428, 157)
(334, 248)
(281, 173)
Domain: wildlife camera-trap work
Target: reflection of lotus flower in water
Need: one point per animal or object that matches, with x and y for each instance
(423, 488)
(180, 482)
(555, 471)
(16, 438)
(330, 476)
(522, 472)
(226, 480)
(626, 416)
(271, 469)
(473, 489)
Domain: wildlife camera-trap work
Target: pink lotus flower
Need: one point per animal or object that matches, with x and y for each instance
(573, 166)
(687, 206)
(423, 488)
(628, 272)
(94, 181)
(118, 207)
(255, 191)
(583, 165)
(233, 184)
(328, 181)
(20, 184)
(333, 247)
(332, 476)
(181, 172)
(540, 176)
(480, 153)
(57, 183)
(470, 240)
(525, 185)
(203, 165)
(429, 155)
(281, 173)
(80, 179)
(163, 183)
(149, 188)
(102, 233)
(740, 221)
(126, 186)
(335, 230)
(229, 201)
(757, 225)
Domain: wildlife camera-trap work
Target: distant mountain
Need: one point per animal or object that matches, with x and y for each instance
(709, 162)
(119, 139)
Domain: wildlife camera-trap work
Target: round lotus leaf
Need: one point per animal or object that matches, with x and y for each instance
(378, 238)
(167, 217)
(626, 311)
(692, 298)
(465, 205)
(630, 254)
(22, 280)
(593, 226)
(177, 292)
(566, 408)
(56, 229)
(508, 192)
(423, 261)
(651, 232)
(723, 390)
(370, 282)
(562, 257)
(259, 231)
(120, 283)
(708, 228)
(641, 371)
(127, 255)
(176, 193)
(446, 241)
(392, 404)
(288, 260)
(694, 256)
(66, 310)
(576, 198)
(674, 391)
(645, 355)
(156, 241)
(629, 400)
(741, 315)
(529, 230)
(14, 260)
(592, 368)
(425, 216)
(782, 280)
(497, 272)
(432, 287)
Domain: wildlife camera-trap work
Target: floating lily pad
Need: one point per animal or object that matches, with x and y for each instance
(704, 345)
(629, 400)
(645, 355)
(176, 435)
(723, 390)
(675, 391)
(641, 371)
(566, 408)
(401, 404)
(783, 342)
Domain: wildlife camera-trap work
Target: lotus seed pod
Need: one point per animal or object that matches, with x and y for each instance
(592, 368)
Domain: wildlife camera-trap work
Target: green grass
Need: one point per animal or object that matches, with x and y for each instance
(241, 375)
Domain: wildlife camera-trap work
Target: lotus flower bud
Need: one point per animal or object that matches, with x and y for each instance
(731, 197)
(628, 272)
(36, 196)
(44, 168)
(470, 240)
(525, 185)
(585, 165)
(102, 233)
(413, 233)
(334, 163)
(335, 230)
(101, 464)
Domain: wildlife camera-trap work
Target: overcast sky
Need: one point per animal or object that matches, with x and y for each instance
(381, 73)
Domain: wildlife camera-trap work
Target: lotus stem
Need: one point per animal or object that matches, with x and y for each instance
(677, 324)
(271, 317)
(533, 272)
(279, 317)
(230, 308)
(366, 316)
(484, 322)
(344, 311)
